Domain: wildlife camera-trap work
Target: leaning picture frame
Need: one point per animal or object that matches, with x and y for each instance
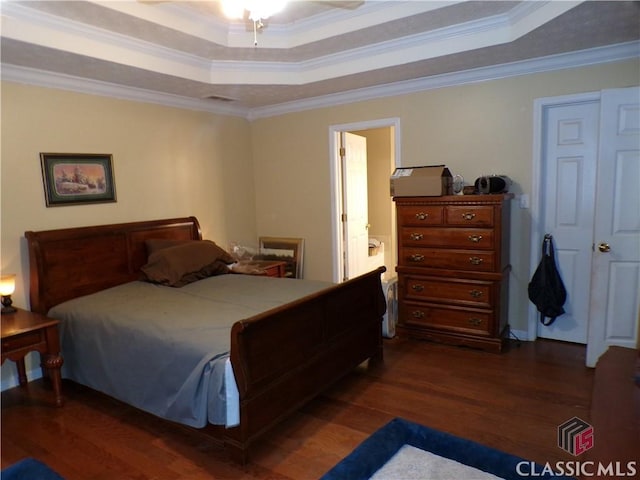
(289, 250)
(75, 179)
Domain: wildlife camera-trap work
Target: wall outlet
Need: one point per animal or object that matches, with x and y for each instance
(524, 200)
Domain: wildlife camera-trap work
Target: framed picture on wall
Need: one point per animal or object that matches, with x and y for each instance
(75, 179)
(289, 250)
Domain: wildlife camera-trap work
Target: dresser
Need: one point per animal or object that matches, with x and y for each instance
(453, 267)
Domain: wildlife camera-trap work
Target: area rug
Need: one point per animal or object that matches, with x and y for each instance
(29, 469)
(404, 450)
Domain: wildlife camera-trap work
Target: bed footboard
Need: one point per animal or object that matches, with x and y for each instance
(284, 358)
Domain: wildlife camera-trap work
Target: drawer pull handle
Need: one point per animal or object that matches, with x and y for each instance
(475, 321)
(416, 236)
(475, 260)
(469, 216)
(422, 215)
(417, 314)
(417, 287)
(475, 238)
(475, 293)
(416, 257)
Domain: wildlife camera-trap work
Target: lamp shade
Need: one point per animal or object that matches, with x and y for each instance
(7, 284)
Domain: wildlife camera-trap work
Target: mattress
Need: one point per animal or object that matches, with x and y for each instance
(165, 350)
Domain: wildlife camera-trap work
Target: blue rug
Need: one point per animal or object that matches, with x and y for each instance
(376, 451)
(29, 469)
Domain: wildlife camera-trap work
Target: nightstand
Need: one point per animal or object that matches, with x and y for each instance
(24, 332)
(269, 268)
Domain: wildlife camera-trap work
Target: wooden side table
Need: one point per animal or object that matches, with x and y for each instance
(270, 268)
(24, 332)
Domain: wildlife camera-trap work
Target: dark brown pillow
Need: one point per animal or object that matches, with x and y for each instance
(184, 262)
(155, 244)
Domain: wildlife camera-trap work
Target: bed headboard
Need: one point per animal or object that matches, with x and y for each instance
(71, 262)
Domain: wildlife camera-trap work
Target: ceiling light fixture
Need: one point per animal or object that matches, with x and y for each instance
(257, 10)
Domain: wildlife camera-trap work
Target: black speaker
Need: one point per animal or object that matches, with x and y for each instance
(492, 184)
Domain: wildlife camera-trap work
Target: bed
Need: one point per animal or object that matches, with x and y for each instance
(281, 351)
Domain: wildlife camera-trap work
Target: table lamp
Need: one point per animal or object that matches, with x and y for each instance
(7, 287)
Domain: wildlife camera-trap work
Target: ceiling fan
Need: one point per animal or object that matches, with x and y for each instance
(250, 5)
(256, 11)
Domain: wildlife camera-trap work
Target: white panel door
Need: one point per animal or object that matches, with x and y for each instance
(356, 204)
(615, 289)
(569, 173)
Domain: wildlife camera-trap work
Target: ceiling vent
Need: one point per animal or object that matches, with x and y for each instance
(220, 98)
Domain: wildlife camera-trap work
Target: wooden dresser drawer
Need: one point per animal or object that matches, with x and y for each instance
(468, 260)
(482, 238)
(453, 264)
(475, 215)
(442, 290)
(475, 321)
(420, 215)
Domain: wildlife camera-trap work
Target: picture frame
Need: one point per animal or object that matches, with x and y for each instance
(77, 178)
(289, 250)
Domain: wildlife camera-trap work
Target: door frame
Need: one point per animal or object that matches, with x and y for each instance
(337, 248)
(540, 107)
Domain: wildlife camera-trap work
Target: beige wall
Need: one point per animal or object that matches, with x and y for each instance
(271, 177)
(474, 129)
(168, 163)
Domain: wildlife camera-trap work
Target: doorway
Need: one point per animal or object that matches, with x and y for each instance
(381, 215)
(586, 169)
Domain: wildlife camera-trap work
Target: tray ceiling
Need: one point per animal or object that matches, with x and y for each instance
(311, 49)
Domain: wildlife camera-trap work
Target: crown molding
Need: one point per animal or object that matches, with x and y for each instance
(233, 33)
(619, 52)
(30, 25)
(41, 78)
(443, 41)
(583, 58)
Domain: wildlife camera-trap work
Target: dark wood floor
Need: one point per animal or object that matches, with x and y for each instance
(513, 402)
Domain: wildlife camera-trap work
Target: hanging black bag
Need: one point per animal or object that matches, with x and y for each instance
(546, 289)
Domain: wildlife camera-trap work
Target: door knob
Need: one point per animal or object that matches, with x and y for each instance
(604, 247)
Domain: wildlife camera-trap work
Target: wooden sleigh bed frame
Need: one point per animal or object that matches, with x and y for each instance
(281, 358)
